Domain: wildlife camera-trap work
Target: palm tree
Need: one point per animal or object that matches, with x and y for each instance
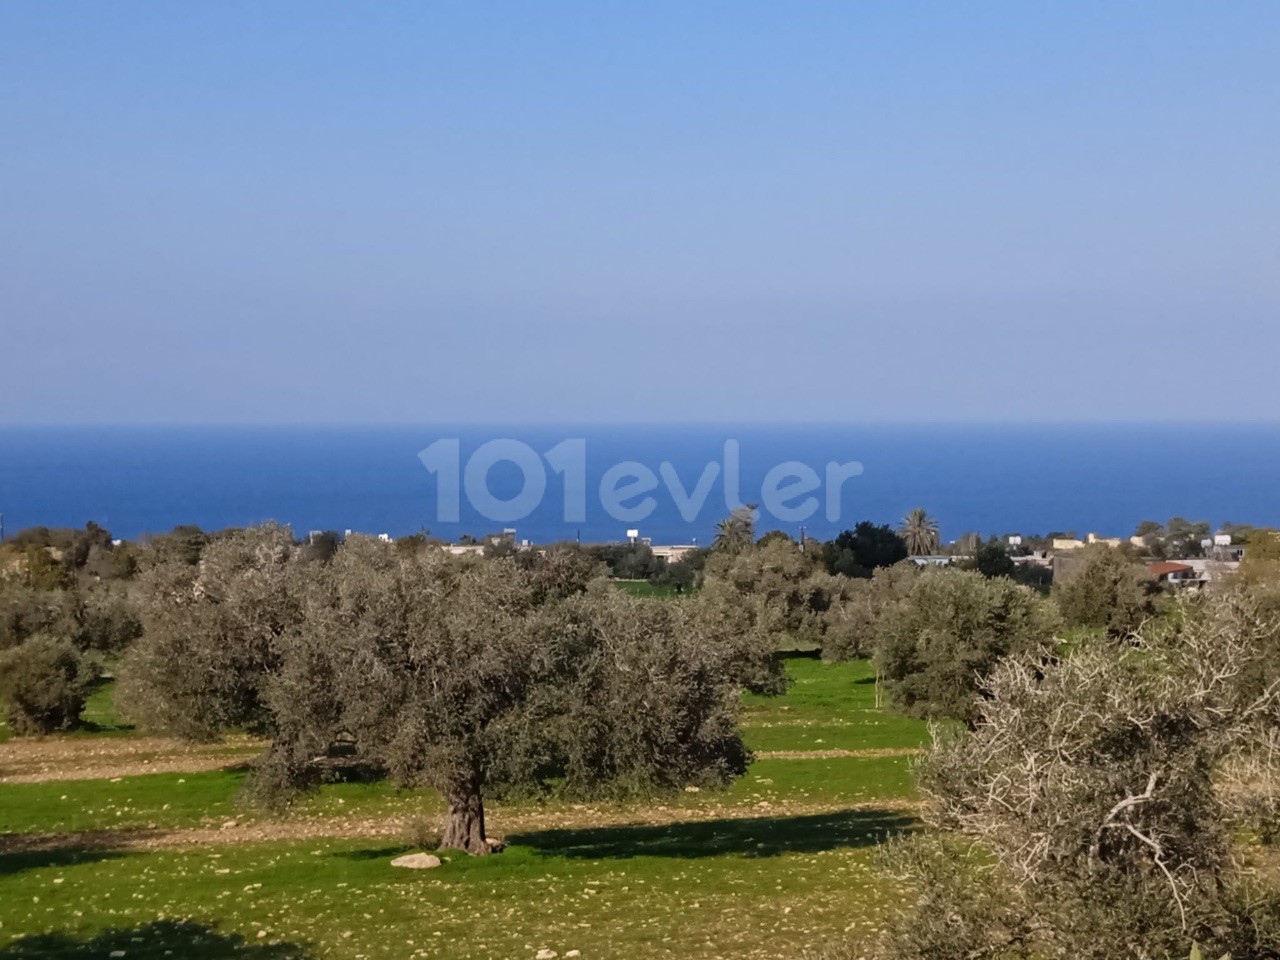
(921, 532)
(737, 531)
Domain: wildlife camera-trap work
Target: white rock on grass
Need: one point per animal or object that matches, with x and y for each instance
(545, 954)
(417, 861)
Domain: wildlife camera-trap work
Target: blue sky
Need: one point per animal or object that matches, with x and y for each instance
(319, 212)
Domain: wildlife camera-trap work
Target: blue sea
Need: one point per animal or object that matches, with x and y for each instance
(991, 479)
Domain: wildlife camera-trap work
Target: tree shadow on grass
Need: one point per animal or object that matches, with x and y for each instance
(372, 853)
(15, 861)
(175, 940)
(754, 837)
(103, 729)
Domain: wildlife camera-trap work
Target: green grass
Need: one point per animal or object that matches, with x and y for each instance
(151, 801)
(643, 588)
(718, 889)
(829, 706)
(759, 873)
(100, 712)
(166, 801)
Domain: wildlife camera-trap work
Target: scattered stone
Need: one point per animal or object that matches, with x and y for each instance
(417, 861)
(574, 953)
(545, 954)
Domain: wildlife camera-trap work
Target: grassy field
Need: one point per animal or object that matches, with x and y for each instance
(781, 861)
(643, 588)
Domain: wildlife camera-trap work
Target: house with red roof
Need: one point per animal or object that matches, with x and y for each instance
(1176, 574)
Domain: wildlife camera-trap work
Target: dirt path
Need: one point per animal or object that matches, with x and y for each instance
(504, 823)
(102, 758)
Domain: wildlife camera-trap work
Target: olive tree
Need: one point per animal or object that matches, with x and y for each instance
(642, 695)
(212, 632)
(854, 613)
(458, 673)
(776, 593)
(44, 682)
(429, 654)
(936, 646)
(1102, 588)
(26, 611)
(466, 674)
(1093, 810)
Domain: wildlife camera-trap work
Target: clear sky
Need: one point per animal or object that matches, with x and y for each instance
(280, 212)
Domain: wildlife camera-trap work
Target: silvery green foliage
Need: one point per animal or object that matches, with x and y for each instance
(43, 684)
(212, 633)
(467, 674)
(1094, 809)
(936, 647)
(470, 674)
(1103, 588)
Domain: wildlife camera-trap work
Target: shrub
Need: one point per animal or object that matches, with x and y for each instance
(423, 833)
(44, 683)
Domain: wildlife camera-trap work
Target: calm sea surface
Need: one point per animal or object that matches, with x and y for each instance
(994, 479)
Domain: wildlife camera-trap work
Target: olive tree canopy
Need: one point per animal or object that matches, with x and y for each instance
(1097, 802)
(459, 673)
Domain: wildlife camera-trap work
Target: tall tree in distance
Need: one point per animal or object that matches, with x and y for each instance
(858, 552)
(921, 532)
(737, 532)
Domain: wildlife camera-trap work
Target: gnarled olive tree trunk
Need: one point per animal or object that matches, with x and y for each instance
(464, 824)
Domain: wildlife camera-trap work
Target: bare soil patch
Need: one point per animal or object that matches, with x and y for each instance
(42, 759)
(505, 822)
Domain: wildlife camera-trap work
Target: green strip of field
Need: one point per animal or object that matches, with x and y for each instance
(174, 801)
(763, 887)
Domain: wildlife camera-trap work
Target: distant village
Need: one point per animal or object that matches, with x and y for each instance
(1181, 554)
